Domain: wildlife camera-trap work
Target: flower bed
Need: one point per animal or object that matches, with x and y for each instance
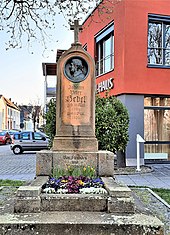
(72, 184)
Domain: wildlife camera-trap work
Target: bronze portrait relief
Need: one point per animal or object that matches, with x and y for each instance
(76, 69)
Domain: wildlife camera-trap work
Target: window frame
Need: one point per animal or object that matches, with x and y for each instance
(37, 136)
(163, 20)
(100, 42)
(25, 136)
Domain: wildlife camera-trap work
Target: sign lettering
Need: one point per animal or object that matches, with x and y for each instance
(104, 85)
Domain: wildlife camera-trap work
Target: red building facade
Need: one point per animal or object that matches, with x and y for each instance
(130, 43)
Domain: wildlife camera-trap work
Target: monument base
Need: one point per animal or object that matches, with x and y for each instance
(52, 214)
(48, 161)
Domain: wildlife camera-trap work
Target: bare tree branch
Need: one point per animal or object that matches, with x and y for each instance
(29, 20)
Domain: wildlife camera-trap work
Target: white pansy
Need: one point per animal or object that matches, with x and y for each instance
(48, 190)
(93, 190)
(62, 191)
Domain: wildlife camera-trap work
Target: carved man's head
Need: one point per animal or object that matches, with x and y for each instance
(76, 64)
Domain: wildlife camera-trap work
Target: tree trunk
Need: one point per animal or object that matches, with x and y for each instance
(121, 159)
(34, 125)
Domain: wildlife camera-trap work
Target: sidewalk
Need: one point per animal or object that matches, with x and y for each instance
(159, 178)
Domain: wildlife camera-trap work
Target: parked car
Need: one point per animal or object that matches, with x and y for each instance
(5, 137)
(29, 141)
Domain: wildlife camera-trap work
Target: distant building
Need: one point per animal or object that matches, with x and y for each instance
(9, 114)
(50, 71)
(30, 116)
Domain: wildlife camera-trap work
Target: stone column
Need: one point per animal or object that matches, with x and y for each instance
(75, 113)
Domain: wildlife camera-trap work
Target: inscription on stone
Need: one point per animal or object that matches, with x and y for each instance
(75, 159)
(76, 104)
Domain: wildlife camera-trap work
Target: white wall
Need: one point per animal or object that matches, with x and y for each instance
(2, 115)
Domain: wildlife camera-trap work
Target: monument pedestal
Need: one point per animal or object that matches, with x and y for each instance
(47, 161)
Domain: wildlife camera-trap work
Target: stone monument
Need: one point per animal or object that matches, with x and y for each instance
(75, 143)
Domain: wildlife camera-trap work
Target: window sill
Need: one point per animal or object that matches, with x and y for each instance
(97, 76)
(158, 66)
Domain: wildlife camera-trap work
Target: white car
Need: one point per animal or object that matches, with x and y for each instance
(29, 141)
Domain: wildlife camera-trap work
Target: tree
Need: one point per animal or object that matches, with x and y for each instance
(30, 20)
(112, 123)
(36, 109)
(50, 116)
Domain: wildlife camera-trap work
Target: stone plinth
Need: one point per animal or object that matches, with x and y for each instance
(80, 159)
(101, 161)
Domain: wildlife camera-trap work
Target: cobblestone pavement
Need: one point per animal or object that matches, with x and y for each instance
(16, 167)
(158, 178)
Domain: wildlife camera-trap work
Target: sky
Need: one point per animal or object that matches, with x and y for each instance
(21, 76)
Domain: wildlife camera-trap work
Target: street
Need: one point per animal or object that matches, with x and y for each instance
(16, 167)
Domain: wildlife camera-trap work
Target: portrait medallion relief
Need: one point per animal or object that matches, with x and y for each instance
(76, 69)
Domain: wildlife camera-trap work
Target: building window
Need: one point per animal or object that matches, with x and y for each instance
(159, 40)
(105, 50)
(157, 126)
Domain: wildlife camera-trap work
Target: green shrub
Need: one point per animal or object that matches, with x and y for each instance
(112, 123)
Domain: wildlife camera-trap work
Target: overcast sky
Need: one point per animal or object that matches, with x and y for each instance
(21, 77)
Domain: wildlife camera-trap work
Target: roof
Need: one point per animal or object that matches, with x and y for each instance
(59, 53)
(9, 103)
(26, 108)
(50, 69)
